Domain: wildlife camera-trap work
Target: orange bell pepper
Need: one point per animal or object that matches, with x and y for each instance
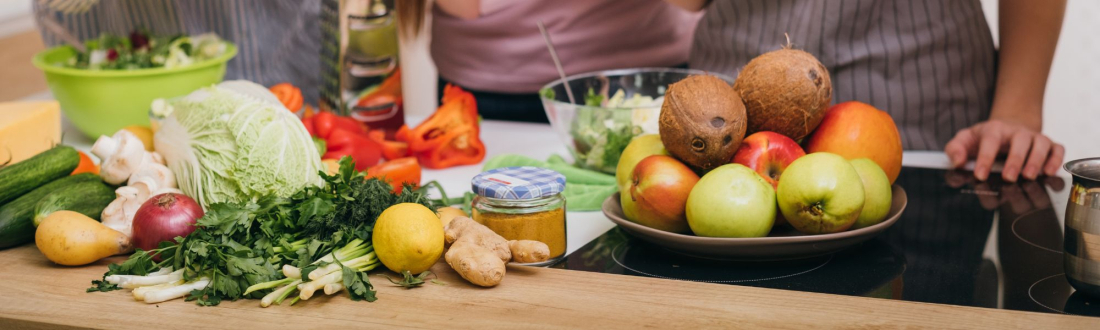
(451, 136)
(288, 95)
(86, 165)
(397, 173)
(389, 91)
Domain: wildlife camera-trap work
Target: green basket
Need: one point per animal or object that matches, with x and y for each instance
(100, 102)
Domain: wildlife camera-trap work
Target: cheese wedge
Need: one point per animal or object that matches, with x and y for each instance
(27, 129)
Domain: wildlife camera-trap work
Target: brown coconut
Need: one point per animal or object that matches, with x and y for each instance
(702, 121)
(785, 91)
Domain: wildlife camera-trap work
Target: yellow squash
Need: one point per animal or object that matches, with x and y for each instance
(72, 239)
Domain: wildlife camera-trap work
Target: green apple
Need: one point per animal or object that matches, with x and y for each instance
(731, 201)
(820, 193)
(878, 196)
(639, 148)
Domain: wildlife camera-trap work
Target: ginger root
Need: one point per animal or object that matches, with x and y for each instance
(479, 255)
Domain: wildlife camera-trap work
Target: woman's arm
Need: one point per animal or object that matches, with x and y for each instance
(689, 5)
(1029, 33)
(464, 9)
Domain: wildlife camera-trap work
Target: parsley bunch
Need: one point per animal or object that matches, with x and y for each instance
(240, 245)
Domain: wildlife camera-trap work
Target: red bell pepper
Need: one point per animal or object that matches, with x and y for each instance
(325, 123)
(390, 149)
(450, 137)
(402, 134)
(397, 173)
(364, 151)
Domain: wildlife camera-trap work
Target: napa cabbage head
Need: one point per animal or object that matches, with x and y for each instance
(235, 142)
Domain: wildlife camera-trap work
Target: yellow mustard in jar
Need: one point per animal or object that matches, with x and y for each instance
(523, 203)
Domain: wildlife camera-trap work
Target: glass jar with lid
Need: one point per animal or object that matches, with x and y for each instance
(523, 203)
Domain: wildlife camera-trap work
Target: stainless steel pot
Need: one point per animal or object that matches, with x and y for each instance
(1082, 235)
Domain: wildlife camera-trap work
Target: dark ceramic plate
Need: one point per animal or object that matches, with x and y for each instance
(781, 244)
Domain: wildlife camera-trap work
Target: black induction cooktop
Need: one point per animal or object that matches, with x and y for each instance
(959, 242)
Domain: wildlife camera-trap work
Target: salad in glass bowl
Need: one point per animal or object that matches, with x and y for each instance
(612, 107)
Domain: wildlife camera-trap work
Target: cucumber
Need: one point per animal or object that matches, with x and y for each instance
(88, 198)
(17, 216)
(19, 178)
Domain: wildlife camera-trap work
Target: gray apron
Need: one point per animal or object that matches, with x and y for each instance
(930, 64)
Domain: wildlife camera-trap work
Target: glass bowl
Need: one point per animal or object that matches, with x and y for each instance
(612, 107)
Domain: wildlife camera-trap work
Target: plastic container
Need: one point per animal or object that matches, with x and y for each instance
(100, 102)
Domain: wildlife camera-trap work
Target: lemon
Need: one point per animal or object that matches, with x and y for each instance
(332, 166)
(143, 133)
(408, 237)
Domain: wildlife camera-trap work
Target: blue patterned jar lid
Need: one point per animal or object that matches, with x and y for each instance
(521, 182)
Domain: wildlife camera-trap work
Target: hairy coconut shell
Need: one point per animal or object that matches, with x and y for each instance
(785, 91)
(702, 121)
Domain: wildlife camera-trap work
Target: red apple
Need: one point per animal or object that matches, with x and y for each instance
(858, 130)
(768, 153)
(657, 193)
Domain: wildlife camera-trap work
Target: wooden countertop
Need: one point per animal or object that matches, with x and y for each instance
(37, 294)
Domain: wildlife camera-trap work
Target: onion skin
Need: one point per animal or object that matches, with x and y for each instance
(163, 218)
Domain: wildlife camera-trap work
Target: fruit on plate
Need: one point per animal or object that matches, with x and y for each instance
(820, 193)
(858, 130)
(731, 201)
(876, 188)
(72, 239)
(702, 121)
(408, 237)
(657, 193)
(638, 149)
(768, 153)
(785, 91)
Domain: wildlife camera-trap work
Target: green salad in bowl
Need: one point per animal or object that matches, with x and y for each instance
(612, 107)
(141, 50)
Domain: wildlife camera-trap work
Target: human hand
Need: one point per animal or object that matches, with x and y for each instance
(1028, 151)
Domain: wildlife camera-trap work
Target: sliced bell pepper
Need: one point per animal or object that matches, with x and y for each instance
(288, 95)
(390, 149)
(325, 123)
(86, 165)
(397, 173)
(364, 151)
(402, 134)
(389, 91)
(461, 148)
(450, 137)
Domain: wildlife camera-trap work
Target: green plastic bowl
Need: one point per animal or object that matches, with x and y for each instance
(100, 102)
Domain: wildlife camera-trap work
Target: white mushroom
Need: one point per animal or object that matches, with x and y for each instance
(122, 154)
(159, 175)
(119, 215)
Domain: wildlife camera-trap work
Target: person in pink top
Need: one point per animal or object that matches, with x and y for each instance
(493, 48)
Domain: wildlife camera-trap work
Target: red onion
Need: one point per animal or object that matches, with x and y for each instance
(164, 217)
